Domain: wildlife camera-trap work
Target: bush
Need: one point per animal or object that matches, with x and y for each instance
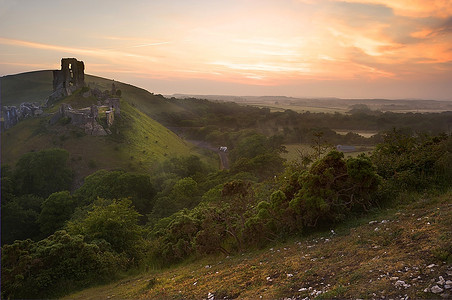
(43, 173)
(54, 266)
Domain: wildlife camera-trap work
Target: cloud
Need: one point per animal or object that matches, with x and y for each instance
(414, 8)
(104, 53)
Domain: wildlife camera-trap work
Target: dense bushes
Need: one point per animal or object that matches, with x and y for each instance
(42, 173)
(192, 213)
(413, 162)
(55, 265)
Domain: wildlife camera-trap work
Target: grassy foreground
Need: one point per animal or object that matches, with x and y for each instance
(394, 253)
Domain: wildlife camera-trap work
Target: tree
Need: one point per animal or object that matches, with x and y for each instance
(119, 184)
(183, 194)
(43, 173)
(20, 218)
(114, 221)
(333, 187)
(54, 266)
(56, 210)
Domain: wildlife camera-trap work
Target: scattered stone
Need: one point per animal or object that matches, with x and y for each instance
(372, 222)
(394, 278)
(195, 283)
(441, 280)
(289, 275)
(431, 266)
(401, 283)
(449, 282)
(436, 289)
(210, 296)
(303, 290)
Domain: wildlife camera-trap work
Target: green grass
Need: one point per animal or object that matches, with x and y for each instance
(26, 87)
(356, 261)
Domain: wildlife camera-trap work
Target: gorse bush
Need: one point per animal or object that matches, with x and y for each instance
(414, 162)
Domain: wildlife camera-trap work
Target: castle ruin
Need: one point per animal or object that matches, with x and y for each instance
(70, 78)
(65, 82)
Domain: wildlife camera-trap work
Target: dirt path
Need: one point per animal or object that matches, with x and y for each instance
(224, 159)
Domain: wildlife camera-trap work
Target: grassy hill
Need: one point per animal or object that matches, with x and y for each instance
(395, 253)
(37, 86)
(25, 87)
(138, 142)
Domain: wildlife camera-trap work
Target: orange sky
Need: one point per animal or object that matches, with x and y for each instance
(304, 48)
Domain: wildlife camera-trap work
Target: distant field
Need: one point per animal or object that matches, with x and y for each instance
(293, 151)
(363, 133)
(298, 108)
(332, 105)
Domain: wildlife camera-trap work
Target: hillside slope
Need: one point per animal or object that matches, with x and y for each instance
(396, 253)
(141, 143)
(138, 142)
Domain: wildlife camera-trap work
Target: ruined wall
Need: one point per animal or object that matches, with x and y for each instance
(10, 117)
(110, 117)
(114, 104)
(70, 78)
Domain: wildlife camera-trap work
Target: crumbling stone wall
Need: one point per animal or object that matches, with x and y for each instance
(110, 117)
(86, 118)
(114, 104)
(11, 115)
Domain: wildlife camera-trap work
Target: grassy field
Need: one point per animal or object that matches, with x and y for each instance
(392, 253)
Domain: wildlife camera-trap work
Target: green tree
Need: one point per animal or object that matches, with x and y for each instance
(333, 187)
(114, 221)
(183, 194)
(20, 218)
(414, 162)
(56, 210)
(43, 173)
(55, 266)
(119, 184)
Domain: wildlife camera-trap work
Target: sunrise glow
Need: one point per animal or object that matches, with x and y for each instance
(304, 48)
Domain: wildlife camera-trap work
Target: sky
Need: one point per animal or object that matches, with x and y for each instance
(395, 49)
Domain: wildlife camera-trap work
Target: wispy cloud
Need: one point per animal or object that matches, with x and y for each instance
(72, 50)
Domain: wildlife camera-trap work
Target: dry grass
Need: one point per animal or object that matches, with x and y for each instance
(357, 261)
